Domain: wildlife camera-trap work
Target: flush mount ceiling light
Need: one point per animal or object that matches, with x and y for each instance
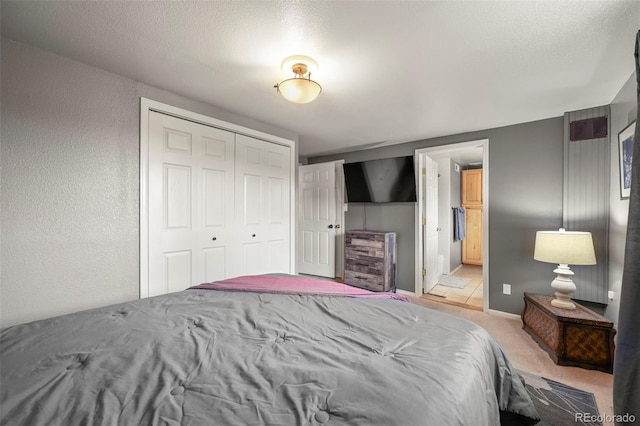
(299, 89)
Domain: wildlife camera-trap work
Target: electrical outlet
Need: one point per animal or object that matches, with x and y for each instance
(612, 295)
(506, 289)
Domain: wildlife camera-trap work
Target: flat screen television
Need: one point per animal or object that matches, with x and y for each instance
(389, 180)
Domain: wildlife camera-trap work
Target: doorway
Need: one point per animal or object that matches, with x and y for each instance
(452, 267)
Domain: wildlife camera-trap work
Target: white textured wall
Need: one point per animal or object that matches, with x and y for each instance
(70, 182)
(69, 186)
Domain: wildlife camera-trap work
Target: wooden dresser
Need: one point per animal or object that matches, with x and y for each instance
(370, 260)
(579, 338)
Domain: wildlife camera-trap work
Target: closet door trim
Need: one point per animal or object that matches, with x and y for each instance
(148, 105)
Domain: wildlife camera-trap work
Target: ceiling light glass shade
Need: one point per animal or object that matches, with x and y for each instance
(299, 90)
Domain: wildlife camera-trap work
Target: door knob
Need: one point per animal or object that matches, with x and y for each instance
(253, 235)
(214, 238)
(338, 226)
(330, 226)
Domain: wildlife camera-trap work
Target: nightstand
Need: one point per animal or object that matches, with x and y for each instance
(579, 338)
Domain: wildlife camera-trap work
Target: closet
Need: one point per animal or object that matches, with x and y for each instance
(471, 193)
(219, 204)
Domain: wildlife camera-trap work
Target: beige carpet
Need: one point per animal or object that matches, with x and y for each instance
(526, 355)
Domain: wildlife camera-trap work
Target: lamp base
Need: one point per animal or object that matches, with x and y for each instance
(564, 287)
(558, 302)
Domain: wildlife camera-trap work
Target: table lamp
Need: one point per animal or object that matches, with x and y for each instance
(564, 248)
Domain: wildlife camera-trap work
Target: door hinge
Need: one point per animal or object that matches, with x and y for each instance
(424, 220)
(424, 170)
(424, 272)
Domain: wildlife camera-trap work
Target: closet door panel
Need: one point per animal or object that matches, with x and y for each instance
(215, 238)
(176, 198)
(215, 264)
(278, 256)
(214, 199)
(191, 173)
(263, 199)
(252, 200)
(177, 270)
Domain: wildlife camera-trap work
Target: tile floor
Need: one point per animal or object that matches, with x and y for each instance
(470, 295)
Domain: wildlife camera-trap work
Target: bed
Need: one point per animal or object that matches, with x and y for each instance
(259, 350)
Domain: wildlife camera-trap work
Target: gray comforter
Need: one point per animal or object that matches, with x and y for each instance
(207, 357)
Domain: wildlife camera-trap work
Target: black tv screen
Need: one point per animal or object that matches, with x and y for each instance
(389, 180)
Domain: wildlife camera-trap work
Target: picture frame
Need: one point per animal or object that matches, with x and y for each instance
(625, 153)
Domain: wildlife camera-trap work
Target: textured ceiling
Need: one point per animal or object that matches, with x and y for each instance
(391, 72)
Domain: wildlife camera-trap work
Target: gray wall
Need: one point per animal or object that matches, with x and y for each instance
(70, 182)
(525, 195)
(624, 110)
(392, 217)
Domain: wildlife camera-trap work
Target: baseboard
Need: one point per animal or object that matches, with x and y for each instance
(503, 314)
(441, 299)
(405, 292)
(455, 269)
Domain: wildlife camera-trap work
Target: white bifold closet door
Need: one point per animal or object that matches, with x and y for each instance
(262, 188)
(218, 205)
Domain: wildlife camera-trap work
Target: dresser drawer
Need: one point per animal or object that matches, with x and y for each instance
(374, 282)
(365, 264)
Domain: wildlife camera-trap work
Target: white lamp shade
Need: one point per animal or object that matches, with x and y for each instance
(299, 90)
(565, 247)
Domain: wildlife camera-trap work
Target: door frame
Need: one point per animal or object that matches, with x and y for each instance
(147, 105)
(419, 259)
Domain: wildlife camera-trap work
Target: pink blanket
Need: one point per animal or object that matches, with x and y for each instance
(294, 285)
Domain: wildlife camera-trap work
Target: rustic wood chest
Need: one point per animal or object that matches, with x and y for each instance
(579, 338)
(370, 260)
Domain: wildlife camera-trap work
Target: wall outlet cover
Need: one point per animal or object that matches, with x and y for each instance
(506, 289)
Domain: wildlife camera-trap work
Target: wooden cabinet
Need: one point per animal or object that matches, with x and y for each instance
(579, 338)
(472, 244)
(471, 194)
(370, 260)
(472, 187)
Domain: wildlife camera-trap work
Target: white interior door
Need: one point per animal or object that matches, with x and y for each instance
(430, 227)
(317, 219)
(262, 197)
(190, 203)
